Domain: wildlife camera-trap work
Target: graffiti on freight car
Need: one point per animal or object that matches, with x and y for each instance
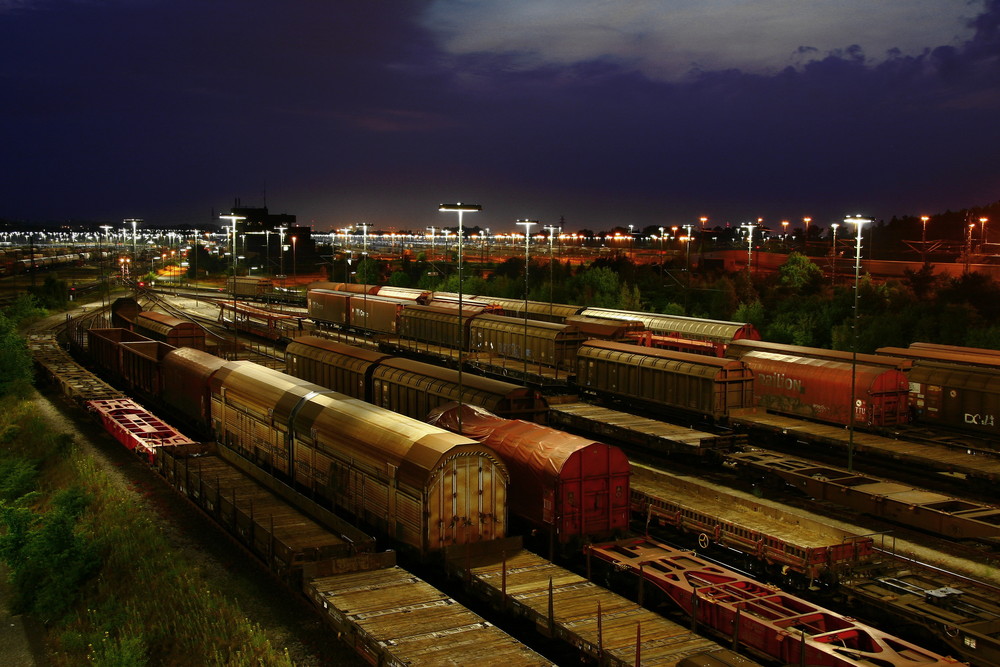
(980, 420)
(781, 381)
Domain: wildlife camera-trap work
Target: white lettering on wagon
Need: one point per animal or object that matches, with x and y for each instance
(781, 381)
(980, 420)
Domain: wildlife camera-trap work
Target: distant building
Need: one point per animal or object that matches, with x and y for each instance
(260, 242)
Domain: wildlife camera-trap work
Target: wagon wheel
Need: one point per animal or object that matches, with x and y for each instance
(703, 540)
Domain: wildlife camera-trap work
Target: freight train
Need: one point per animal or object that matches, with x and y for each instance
(645, 371)
(423, 486)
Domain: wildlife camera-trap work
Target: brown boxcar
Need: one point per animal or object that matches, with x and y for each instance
(962, 397)
(955, 349)
(542, 311)
(124, 311)
(329, 307)
(701, 384)
(104, 347)
(141, 365)
(170, 330)
(184, 383)
(375, 313)
(534, 342)
(414, 388)
(249, 286)
(425, 487)
(338, 366)
(573, 488)
(821, 389)
(422, 328)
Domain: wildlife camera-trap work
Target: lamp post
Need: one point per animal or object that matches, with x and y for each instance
(923, 239)
(833, 253)
(552, 258)
(527, 224)
(281, 255)
(233, 219)
(459, 208)
(805, 236)
(134, 221)
(363, 262)
(982, 236)
(858, 221)
(784, 231)
(749, 227)
(295, 262)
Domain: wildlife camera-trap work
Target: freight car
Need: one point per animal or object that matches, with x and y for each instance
(409, 387)
(955, 396)
(572, 489)
(249, 286)
(128, 314)
(947, 356)
(955, 348)
(822, 390)
(422, 486)
(738, 348)
(682, 333)
(497, 341)
(698, 384)
(364, 312)
(261, 322)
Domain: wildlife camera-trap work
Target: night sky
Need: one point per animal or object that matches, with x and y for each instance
(604, 112)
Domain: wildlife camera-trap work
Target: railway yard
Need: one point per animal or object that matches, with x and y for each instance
(305, 432)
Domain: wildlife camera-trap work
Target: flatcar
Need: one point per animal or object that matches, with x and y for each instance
(822, 390)
(707, 386)
(573, 489)
(424, 487)
(409, 387)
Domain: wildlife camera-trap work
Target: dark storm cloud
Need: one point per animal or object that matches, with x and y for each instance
(374, 111)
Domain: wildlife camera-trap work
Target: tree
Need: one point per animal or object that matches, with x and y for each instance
(800, 275)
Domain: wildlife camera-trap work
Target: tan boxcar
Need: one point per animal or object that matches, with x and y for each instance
(423, 486)
(537, 343)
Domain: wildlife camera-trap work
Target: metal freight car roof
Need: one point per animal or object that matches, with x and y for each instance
(688, 327)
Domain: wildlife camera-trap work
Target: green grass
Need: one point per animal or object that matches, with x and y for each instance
(88, 558)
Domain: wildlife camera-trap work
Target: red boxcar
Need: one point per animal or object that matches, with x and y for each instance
(184, 383)
(821, 389)
(570, 487)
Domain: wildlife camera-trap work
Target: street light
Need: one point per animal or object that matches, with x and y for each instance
(784, 231)
(459, 208)
(858, 221)
(923, 239)
(805, 236)
(281, 243)
(295, 262)
(527, 224)
(233, 219)
(749, 227)
(100, 255)
(833, 252)
(552, 258)
(982, 236)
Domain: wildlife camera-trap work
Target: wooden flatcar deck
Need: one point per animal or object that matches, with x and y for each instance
(930, 457)
(771, 533)
(604, 625)
(626, 428)
(279, 534)
(393, 618)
